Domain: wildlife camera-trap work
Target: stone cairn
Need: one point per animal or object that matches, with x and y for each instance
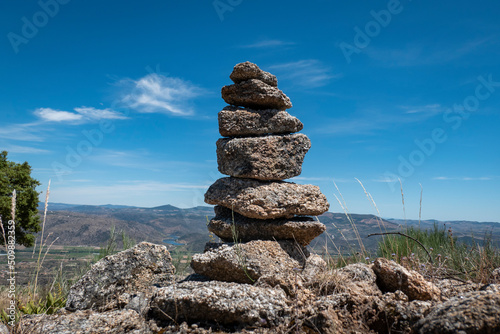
(261, 219)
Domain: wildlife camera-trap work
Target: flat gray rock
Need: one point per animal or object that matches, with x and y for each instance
(220, 302)
(276, 157)
(115, 280)
(301, 229)
(255, 94)
(112, 322)
(267, 199)
(237, 122)
(247, 70)
(246, 262)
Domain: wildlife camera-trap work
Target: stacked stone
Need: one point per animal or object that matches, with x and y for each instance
(261, 149)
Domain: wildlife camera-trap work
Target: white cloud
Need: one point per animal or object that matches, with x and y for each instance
(83, 114)
(52, 115)
(268, 43)
(97, 114)
(308, 73)
(156, 93)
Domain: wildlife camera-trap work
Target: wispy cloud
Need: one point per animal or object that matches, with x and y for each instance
(433, 109)
(24, 149)
(307, 73)
(156, 93)
(267, 43)
(465, 178)
(82, 115)
(23, 132)
(370, 120)
(416, 54)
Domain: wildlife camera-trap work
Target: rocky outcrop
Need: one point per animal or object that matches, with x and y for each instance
(263, 158)
(393, 277)
(237, 122)
(230, 226)
(115, 280)
(266, 200)
(473, 312)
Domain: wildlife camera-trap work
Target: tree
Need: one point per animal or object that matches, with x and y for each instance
(18, 176)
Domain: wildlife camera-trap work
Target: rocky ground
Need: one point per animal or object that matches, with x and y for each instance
(136, 291)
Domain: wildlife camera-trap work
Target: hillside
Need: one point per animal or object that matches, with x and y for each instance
(88, 225)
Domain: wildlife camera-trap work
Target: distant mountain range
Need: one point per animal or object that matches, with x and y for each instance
(89, 225)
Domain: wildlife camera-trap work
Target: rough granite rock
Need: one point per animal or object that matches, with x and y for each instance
(473, 312)
(276, 157)
(255, 94)
(4, 329)
(247, 70)
(391, 277)
(226, 224)
(266, 199)
(220, 302)
(116, 279)
(112, 322)
(235, 122)
(247, 262)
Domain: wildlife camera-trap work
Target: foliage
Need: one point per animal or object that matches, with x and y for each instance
(450, 257)
(14, 176)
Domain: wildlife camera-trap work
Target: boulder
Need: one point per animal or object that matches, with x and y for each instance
(266, 199)
(115, 280)
(473, 312)
(236, 121)
(112, 322)
(255, 94)
(392, 276)
(223, 303)
(229, 225)
(274, 157)
(247, 262)
(247, 70)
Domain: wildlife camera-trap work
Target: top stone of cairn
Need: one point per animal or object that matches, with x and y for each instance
(247, 70)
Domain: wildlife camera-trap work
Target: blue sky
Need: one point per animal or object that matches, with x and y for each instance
(117, 101)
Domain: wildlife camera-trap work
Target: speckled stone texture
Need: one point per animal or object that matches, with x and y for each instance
(473, 312)
(220, 302)
(275, 157)
(237, 122)
(255, 94)
(266, 199)
(392, 277)
(246, 262)
(114, 280)
(226, 223)
(247, 70)
(112, 322)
